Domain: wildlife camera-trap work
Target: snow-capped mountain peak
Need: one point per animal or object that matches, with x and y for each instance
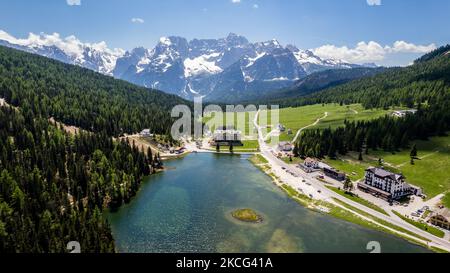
(200, 67)
(96, 56)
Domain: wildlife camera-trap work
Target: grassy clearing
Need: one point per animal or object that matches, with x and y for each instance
(446, 200)
(300, 198)
(242, 121)
(295, 160)
(380, 221)
(358, 200)
(429, 172)
(258, 159)
(351, 166)
(299, 117)
(249, 146)
(423, 226)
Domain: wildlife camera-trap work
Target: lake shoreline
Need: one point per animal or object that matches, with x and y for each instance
(191, 202)
(318, 206)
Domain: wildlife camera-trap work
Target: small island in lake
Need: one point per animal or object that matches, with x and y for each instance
(247, 215)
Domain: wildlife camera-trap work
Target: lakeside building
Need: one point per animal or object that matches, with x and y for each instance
(145, 133)
(310, 165)
(441, 218)
(387, 185)
(333, 173)
(285, 146)
(226, 136)
(403, 113)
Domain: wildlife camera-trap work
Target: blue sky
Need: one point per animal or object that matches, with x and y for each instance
(339, 25)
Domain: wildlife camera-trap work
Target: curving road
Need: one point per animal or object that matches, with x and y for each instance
(312, 187)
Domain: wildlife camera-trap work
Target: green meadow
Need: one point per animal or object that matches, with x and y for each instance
(300, 117)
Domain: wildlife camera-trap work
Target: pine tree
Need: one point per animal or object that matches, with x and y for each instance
(413, 153)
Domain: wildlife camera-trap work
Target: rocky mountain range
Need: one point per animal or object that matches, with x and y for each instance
(200, 67)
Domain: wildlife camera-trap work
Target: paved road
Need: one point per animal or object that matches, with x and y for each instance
(326, 194)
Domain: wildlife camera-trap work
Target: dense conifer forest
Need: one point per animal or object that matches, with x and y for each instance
(81, 97)
(54, 186)
(424, 86)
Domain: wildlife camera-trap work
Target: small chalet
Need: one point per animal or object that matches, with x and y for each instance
(441, 218)
(310, 165)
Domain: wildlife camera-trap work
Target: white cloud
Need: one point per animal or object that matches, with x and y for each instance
(255, 6)
(369, 52)
(137, 20)
(374, 2)
(235, 1)
(402, 46)
(71, 45)
(74, 2)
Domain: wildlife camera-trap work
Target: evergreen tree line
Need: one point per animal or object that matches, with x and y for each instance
(426, 81)
(388, 133)
(424, 85)
(81, 97)
(54, 186)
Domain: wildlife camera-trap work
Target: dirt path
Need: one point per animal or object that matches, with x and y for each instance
(311, 125)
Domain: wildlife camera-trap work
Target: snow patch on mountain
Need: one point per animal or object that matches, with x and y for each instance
(204, 64)
(96, 56)
(200, 67)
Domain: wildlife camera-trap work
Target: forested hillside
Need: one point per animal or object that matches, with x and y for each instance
(54, 185)
(80, 97)
(314, 83)
(424, 85)
(426, 81)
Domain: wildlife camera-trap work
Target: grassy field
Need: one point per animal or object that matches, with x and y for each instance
(294, 118)
(430, 171)
(446, 200)
(242, 121)
(249, 146)
(358, 200)
(258, 159)
(385, 223)
(432, 230)
(297, 118)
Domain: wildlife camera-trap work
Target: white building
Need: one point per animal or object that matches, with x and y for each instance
(145, 133)
(387, 185)
(403, 113)
(228, 135)
(285, 146)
